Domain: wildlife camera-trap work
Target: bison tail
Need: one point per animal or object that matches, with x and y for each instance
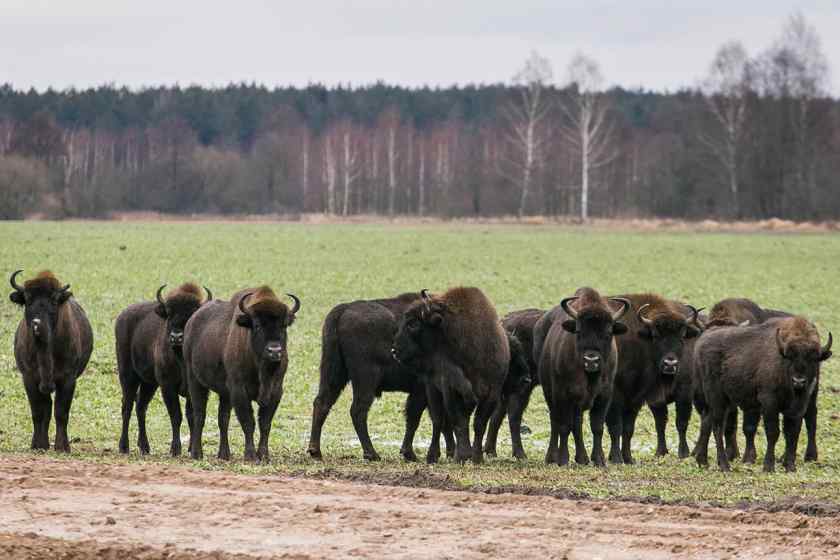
(334, 375)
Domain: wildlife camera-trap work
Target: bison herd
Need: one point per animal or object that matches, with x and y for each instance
(605, 355)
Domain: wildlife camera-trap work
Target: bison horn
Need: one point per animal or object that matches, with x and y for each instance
(694, 314)
(297, 303)
(242, 302)
(827, 346)
(565, 304)
(424, 293)
(641, 315)
(159, 294)
(625, 307)
(779, 343)
(65, 288)
(15, 284)
(209, 293)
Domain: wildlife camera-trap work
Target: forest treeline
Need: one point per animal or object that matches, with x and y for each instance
(758, 138)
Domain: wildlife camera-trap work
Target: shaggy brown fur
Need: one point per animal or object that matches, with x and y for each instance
(45, 281)
(265, 302)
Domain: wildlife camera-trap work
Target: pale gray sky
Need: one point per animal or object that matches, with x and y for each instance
(657, 44)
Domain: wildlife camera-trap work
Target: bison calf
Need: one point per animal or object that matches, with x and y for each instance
(53, 343)
(771, 368)
(238, 349)
(149, 343)
(577, 368)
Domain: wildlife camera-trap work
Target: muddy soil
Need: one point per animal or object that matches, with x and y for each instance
(82, 510)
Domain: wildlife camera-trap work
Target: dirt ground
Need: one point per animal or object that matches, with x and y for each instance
(79, 510)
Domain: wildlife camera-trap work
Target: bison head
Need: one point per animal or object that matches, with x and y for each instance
(667, 331)
(594, 326)
(418, 331)
(177, 309)
(42, 298)
(799, 346)
(267, 319)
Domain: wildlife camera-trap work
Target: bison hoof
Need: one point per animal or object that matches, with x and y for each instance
(519, 455)
(661, 452)
(683, 452)
(581, 459)
(810, 455)
(175, 450)
(702, 460)
(374, 456)
(432, 458)
(749, 457)
(769, 467)
(315, 453)
(790, 466)
(250, 456)
(732, 453)
(409, 455)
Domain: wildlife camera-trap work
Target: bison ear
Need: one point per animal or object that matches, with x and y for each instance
(619, 328)
(645, 332)
(692, 332)
(826, 354)
(161, 311)
(570, 325)
(245, 321)
(63, 297)
(290, 319)
(435, 319)
(17, 297)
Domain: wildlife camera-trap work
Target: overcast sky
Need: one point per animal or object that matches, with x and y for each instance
(657, 44)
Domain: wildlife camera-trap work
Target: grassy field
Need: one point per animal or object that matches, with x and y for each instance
(112, 265)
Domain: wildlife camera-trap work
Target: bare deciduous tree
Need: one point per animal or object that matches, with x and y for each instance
(525, 116)
(588, 131)
(726, 90)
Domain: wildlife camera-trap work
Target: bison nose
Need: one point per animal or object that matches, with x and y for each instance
(591, 361)
(394, 354)
(36, 327)
(799, 382)
(274, 351)
(670, 365)
(176, 338)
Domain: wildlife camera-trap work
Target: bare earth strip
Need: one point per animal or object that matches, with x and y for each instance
(78, 510)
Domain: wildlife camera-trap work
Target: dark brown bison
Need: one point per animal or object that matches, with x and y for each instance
(520, 325)
(356, 342)
(238, 349)
(53, 343)
(149, 343)
(772, 367)
(649, 358)
(742, 311)
(577, 369)
(457, 340)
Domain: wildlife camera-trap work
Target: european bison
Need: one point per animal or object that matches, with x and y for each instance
(519, 325)
(458, 341)
(238, 349)
(772, 367)
(149, 347)
(649, 355)
(53, 343)
(356, 342)
(741, 311)
(577, 368)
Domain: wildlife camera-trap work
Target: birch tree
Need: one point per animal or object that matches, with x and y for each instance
(351, 168)
(726, 91)
(525, 116)
(588, 130)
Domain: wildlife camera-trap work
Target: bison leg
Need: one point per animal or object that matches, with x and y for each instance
(188, 412)
(173, 407)
(494, 425)
(597, 416)
(266, 415)
(415, 403)
(198, 398)
(811, 426)
(130, 385)
(483, 412)
(660, 419)
(614, 421)
(718, 422)
(438, 416)
(321, 406)
(63, 402)
(792, 427)
(362, 401)
(771, 431)
(701, 449)
(730, 431)
(245, 415)
(147, 391)
(628, 427)
(517, 403)
(581, 456)
(40, 405)
(751, 419)
(683, 418)
(223, 416)
(449, 439)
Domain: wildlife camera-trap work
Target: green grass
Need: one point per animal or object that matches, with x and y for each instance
(326, 264)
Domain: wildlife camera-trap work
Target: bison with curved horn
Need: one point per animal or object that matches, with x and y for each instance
(149, 346)
(53, 343)
(239, 350)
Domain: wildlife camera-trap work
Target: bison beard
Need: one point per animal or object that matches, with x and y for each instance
(238, 351)
(772, 367)
(457, 341)
(53, 343)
